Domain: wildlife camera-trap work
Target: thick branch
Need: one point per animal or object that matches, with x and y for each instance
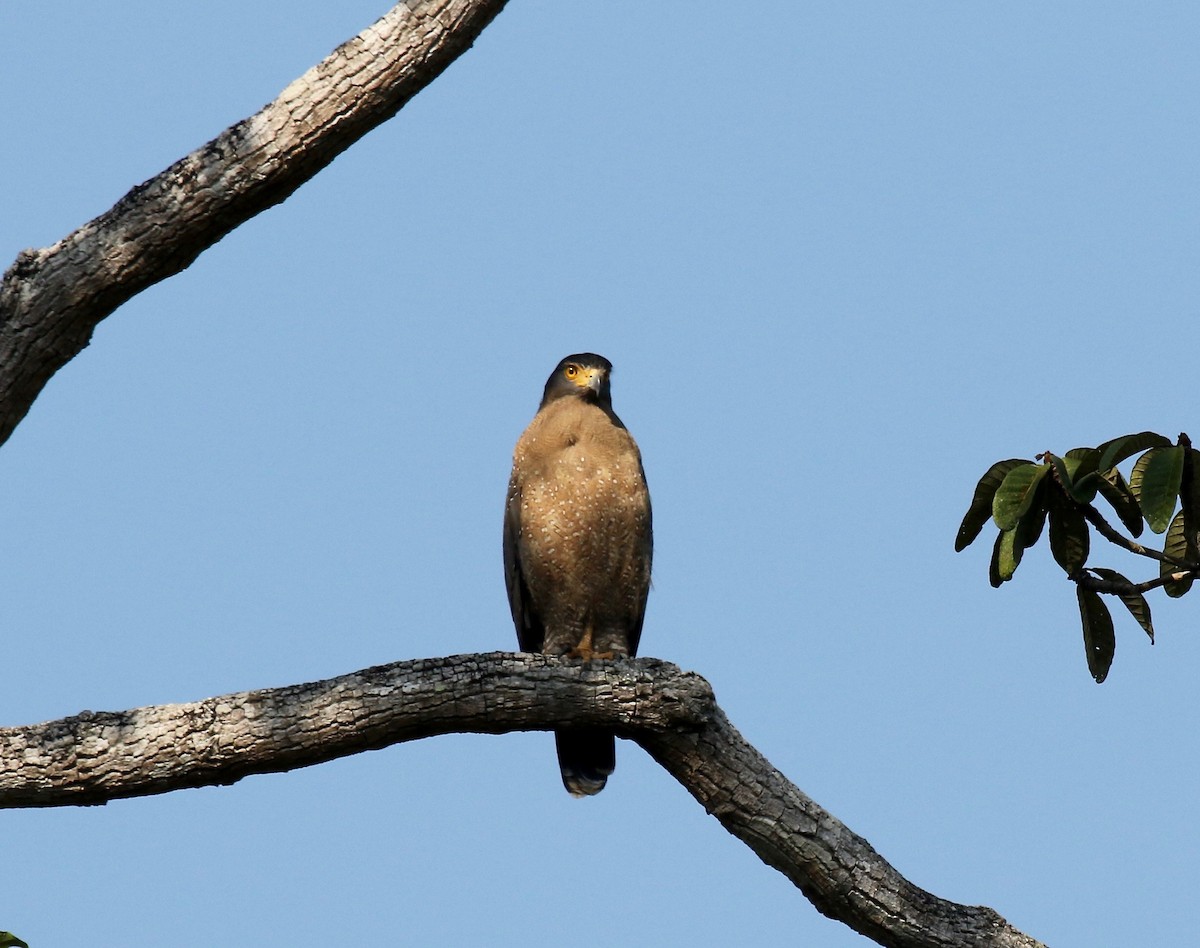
(839, 871)
(52, 299)
(95, 757)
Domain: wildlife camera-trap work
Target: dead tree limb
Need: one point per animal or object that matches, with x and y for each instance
(51, 300)
(95, 757)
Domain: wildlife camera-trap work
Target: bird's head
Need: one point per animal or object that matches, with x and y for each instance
(583, 375)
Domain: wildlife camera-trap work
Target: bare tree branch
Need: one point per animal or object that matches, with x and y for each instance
(839, 871)
(52, 299)
(93, 757)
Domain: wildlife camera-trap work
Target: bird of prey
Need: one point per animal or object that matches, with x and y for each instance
(577, 542)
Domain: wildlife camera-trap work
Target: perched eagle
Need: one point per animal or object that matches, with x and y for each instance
(577, 542)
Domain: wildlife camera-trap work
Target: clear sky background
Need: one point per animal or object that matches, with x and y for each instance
(843, 255)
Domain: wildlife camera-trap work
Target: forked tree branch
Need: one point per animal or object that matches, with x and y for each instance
(52, 299)
(92, 758)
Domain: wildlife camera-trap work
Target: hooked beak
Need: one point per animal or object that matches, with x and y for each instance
(595, 380)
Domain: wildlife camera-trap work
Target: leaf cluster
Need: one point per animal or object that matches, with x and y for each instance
(1022, 496)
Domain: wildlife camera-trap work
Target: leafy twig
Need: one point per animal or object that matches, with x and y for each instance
(1123, 587)
(1110, 533)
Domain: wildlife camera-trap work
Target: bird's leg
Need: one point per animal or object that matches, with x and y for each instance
(584, 648)
(609, 645)
(603, 647)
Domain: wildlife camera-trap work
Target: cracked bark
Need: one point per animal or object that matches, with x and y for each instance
(94, 757)
(52, 299)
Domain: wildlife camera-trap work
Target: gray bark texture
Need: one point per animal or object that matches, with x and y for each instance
(94, 757)
(52, 299)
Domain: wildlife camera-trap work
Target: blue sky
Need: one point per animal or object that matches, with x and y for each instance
(843, 256)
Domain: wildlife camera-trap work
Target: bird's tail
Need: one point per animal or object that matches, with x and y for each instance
(586, 756)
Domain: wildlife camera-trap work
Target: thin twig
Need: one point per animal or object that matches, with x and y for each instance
(1106, 530)
(1117, 587)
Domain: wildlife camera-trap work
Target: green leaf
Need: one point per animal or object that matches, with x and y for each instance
(1189, 499)
(980, 510)
(1117, 450)
(1016, 494)
(1069, 537)
(1009, 553)
(994, 576)
(1155, 483)
(1077, 473)
(1060, 469)
(1135, 602)
(1012, 544)
(1115, 490)
(1175, 546)
(1029, 528)
(9, 940)
(1099, 642)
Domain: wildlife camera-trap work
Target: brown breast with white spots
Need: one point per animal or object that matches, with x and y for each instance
(584, 526)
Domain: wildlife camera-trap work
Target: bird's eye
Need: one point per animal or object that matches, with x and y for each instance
(572, 371)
